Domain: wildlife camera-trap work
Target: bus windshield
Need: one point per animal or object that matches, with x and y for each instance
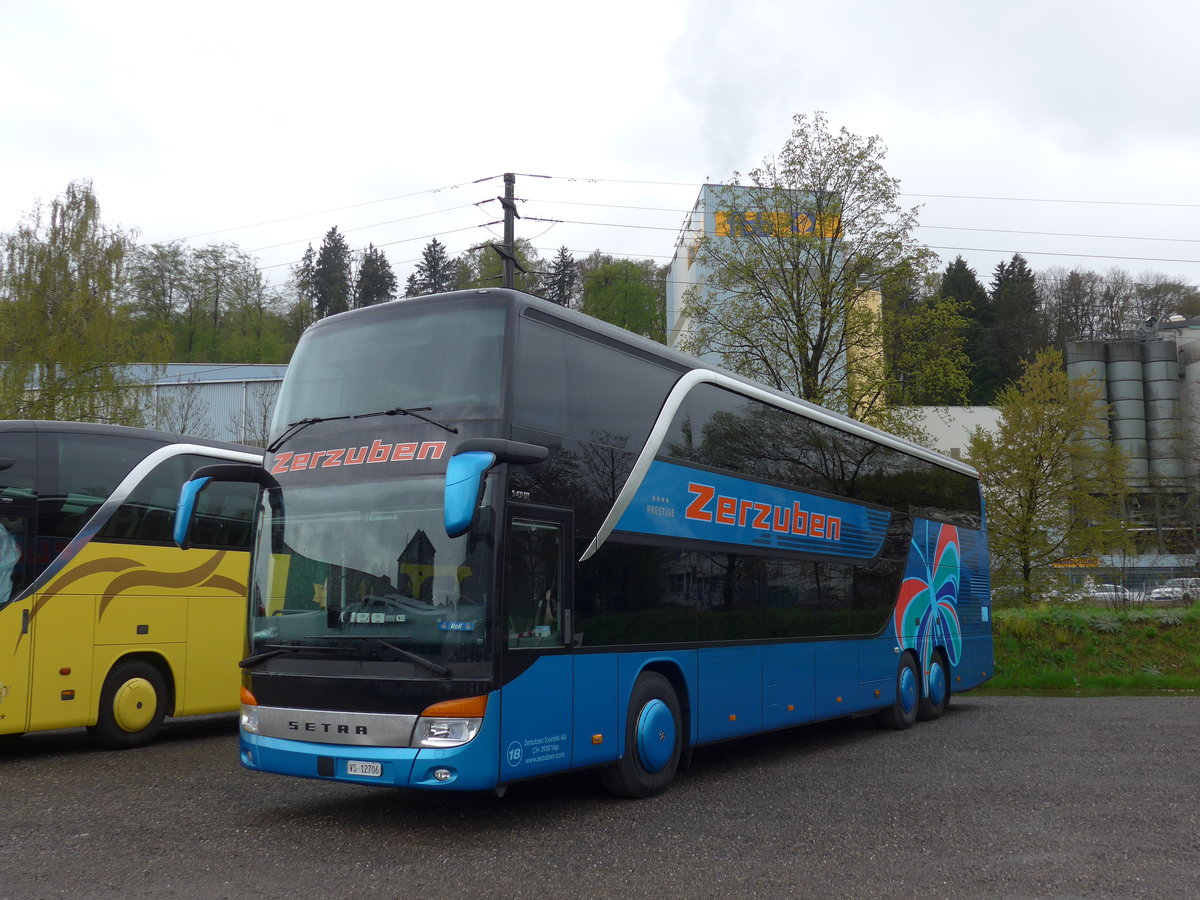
(365, 571)
(442, 359)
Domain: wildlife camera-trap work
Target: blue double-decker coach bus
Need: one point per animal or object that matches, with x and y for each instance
(497, 539)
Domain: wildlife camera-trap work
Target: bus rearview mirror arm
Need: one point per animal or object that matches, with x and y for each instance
(471, 461)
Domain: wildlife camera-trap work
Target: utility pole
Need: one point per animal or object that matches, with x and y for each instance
(510, 215)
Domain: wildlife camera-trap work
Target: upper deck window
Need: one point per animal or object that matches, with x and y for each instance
(413, 355)
(566, 384)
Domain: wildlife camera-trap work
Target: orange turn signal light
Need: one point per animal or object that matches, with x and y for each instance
(248, 698)
(466, 708)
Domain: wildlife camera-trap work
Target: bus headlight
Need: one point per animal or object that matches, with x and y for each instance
(250, 719)
(445, 732)
(451, 723)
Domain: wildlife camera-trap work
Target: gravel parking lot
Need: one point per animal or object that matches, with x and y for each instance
(1003, 797)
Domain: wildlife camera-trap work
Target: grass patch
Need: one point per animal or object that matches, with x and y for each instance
(1057, 649)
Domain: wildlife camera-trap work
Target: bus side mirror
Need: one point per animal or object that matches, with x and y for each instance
(464, 489)
(472, 460)
(185, 511)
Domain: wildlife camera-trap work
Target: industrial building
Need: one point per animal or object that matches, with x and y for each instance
(224, 402)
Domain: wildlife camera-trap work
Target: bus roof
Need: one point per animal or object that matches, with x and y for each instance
(96, 428)
(586, 324)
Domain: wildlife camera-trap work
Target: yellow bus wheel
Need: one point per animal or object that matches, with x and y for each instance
(132, 705)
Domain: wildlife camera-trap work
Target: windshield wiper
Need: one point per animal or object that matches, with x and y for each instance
(432, 665)
(298, 426)
(435, 667)
(415, 413)
(294, 428)
(277, 649)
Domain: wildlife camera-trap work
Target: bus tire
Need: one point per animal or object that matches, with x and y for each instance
(132, 706)
(653, 740)
(937, 689)
(903, 711)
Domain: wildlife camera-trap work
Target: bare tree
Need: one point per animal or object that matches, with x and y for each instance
(252, 425)
(182, 409)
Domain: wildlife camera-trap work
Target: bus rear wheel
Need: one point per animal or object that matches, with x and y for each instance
(132, 706)
(653, 740)
(903, 711)
(937, 689)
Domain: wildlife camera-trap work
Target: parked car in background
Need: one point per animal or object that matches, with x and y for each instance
(1113, 596)
(1176, 592)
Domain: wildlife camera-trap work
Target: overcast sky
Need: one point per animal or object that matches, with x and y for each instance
(1062, 129)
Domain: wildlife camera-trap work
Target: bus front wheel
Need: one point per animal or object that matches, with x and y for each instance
(132, 706)
(653, 740)
(903, 711)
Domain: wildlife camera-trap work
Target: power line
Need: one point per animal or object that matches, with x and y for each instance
(375, 225)
(322, 212)
(1057, 200)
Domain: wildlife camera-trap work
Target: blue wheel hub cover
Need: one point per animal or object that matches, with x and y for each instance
(937, 684)
(908, 689)
(655, 735)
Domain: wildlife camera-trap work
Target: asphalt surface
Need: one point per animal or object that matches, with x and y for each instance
(1002, 797)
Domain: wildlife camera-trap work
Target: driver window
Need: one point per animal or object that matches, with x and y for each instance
(534, 584)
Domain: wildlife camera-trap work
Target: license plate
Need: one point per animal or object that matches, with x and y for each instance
(367, 769)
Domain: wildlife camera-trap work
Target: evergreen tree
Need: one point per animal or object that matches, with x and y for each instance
(561, 280)
(331, 275)
(1018, 332)
(64, 335)
(434, 274)
(303, 288)
(960, 283)
(376, 281)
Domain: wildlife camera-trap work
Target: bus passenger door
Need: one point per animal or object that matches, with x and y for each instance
(16, 619)
(536, 697)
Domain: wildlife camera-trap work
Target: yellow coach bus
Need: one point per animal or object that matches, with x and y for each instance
(104, 622)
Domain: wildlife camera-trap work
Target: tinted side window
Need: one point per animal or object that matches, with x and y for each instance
(567, 384)
(224, 513)
(17, 478)
(719, 428)
(223, 510)
(636, 594)
(79, 471)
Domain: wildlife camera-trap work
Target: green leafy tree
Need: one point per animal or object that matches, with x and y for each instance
(924, 360)
(376, 282)
(254, 326)
(628, 293)
(808, 238)
(1053, 487)
(157, 285)
(64, 334)
(436, 273)
(484, 267)
(332, 275)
